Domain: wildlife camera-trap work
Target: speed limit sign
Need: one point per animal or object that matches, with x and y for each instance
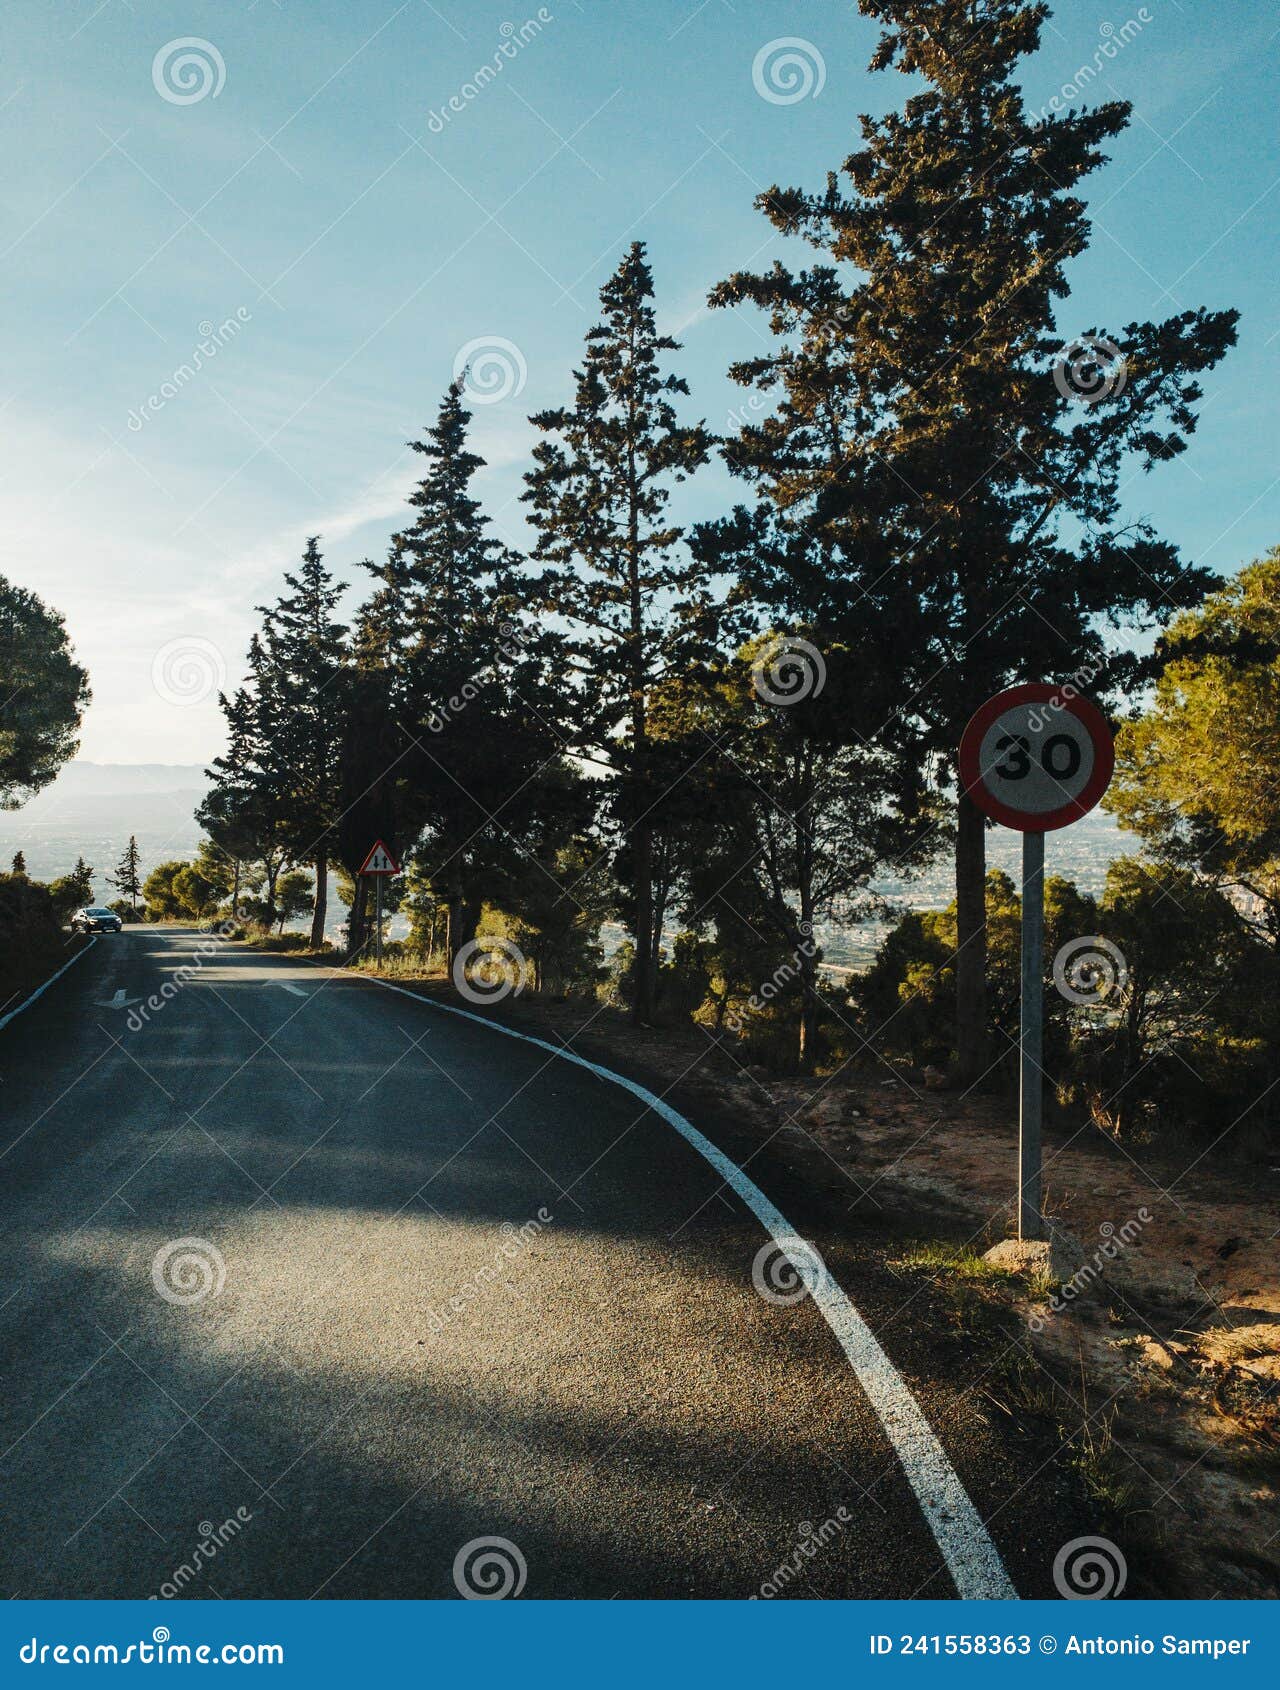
(1036, 757)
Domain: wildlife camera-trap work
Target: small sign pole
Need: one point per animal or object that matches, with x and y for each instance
(1031, 1039)
(1035, 758)
(379, 863)
(377, 932)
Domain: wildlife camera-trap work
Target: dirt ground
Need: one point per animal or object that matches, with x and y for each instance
(1160, 1356)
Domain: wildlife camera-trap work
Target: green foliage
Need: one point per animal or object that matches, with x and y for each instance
(452, 735)
(638, 604)
(928, 490)
(1186, 1038)
(162, 901)
(71, 892)
(294, 893)
(1170, 1026)
(1198, 774)
(32, 943)
(43, 695)
(127, 879)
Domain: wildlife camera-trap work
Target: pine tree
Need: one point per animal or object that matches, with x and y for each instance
(127, 879)
(453, 724)
(934, 484)
(81, 879)
(246, 811)
(304, 644)
(19, 865)
(639, 605)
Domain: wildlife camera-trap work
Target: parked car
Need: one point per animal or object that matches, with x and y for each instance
(94, 920)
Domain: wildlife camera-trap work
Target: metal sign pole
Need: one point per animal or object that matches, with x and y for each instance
(377, 941)
(1031, 1040)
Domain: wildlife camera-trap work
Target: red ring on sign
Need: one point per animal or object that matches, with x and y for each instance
(1023, 821)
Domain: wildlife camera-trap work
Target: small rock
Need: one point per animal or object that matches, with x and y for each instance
(1060, 1256)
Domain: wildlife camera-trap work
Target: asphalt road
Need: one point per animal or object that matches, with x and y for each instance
(438, 1287)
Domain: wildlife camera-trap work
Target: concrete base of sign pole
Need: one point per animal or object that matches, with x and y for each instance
(1058, 1257)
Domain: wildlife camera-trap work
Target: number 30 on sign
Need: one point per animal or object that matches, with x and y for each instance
(1036, 757)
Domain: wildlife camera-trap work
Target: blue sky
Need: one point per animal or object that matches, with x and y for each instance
(356, 245)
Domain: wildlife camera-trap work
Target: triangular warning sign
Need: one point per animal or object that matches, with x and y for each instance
(380, 861)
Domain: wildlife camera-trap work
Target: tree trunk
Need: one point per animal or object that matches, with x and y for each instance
(320, 908)
(971, 943)
(646, 970)
(356, 920)
(273, 875)
(235, 889)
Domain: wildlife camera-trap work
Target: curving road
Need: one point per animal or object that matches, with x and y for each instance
(307, 1286)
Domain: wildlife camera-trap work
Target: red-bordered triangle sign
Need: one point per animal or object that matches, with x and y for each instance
(380, 861)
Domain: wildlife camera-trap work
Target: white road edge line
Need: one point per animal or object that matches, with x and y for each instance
(972, 1558)
(27, 1002)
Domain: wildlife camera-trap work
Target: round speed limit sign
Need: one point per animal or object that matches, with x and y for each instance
(1036, 757)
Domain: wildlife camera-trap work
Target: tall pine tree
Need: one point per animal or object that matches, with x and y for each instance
(127, 879)
(638, 603)
(933, 484)
(305, 645)
(454, 720)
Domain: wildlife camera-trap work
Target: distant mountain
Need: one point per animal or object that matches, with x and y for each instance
(81, 779)
(92, 808)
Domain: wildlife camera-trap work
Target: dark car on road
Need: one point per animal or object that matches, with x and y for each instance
(93, 920)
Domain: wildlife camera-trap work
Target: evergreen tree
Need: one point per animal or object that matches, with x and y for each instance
(453, 720)
(81, 879)
(127, 879)
(799, 812)
(304, 645)
(19, 863)
(638, 604)
(43, 695)
(932, 484)
(247, 810)
(1198, 773)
